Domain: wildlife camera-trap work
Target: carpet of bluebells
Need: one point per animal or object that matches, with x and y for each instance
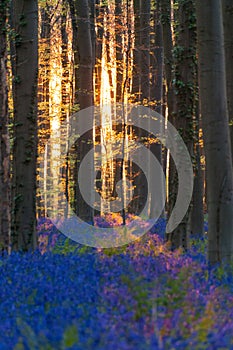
(139, 297)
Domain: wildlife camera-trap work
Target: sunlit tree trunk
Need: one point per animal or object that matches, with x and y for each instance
(98, 50)
(66, 96)
(227, 7)
(119, 49)
(213, 104)
(43, 105)
(74, 47)
(145, 49)
(25, 124)
(136, 53)
(165, 8)
(4, 135)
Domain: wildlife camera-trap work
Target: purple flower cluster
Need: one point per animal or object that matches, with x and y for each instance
(141, 296)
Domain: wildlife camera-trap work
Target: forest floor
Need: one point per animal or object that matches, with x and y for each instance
(137, 297)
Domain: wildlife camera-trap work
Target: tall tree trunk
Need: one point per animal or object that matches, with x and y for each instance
(165, 8)
(213, 103)
(144, 51)
(43, 102)
(85, 95)
(74, 47)
(66, 93)
(227, 7)
(136, 91)
(156, 94)
(185, 90)
(25, 124)
(4, 135)
(98, 50)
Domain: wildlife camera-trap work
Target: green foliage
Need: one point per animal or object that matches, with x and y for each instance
(65, 248)
(70, 337)
(70, 247)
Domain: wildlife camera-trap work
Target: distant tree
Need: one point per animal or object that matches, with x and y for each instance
(44, 124)
(119, 49)
(213, 104)
(4, 134)
(25, 26)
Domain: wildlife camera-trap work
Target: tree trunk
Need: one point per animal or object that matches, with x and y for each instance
(4, 135)
(185, 111)
(43, 102)
(213, 105)
(144, 50)
(156, 96)
(197, 209)
(165, 8)
(25, 124)
(66, 99)
(119, 50)
(85, 95)
(227, 7)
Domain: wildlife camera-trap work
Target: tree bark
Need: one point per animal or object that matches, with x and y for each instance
(184, 109)
(4, 135)
(213, 103)
(227, 7)
(119, 50)
(25, 124)
(156, 95)
(85, 95)
(144, 51)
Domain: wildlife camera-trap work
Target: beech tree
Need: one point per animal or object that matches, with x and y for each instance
(4, 135)
(227, 7)
(85, 93)
(25, 26)
(213, 108)
(184, 55)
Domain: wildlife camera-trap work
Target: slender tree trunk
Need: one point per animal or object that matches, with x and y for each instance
(213, 104)
(74, 47)
(136, 86)
(156, 95)
(144, 51)
(66, 93)
(43, 102)
(165, 8)
(25, 124)
(98, 51)
(119, 50)
(4, 135)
